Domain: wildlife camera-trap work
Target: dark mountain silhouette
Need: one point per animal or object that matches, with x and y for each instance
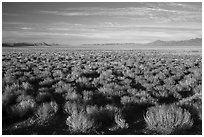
(26, 44)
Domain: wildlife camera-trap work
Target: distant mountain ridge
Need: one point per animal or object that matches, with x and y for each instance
(190, 42)
(158, 44)
(26, 44)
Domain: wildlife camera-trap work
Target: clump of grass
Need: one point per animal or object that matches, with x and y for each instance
(167, 119)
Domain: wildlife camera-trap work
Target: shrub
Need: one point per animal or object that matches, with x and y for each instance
(47, 82)
(194, 105)
(24, 97)
(80, 122)
(92, 109)
(59, 87)
(73, 95)
(27, 87)
(167, 119)
(125, 100)
(58, 74)
(103, 116)
(112, 108)
(21, 109)
(71, 107)
(43, 89)
(43, 97)
(120, 121)
(9, 94)
(87, 95)
(8, 98)
(46, 110)
(9, 79)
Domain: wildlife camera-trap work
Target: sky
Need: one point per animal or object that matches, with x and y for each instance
(100, 22)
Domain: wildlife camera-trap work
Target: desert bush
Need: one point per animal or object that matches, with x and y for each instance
(120, 121)
(197, 106)
(106, 90)
(103, 116)
(10, 93)
(58, 74)
(72, 95)
(132, 91)
(80, 121)
(92, 109)
(8, 98)
(27, 86)
(9, 79)
(167, 119)
(47, 82)
(87, 95)
(62, 87)
(89, 74)
(70, 107)
(24, 97)
(194, 105)
(46, 110)
(43, 97)
(195, 109)
(25, 106)
(125, 100)
(14, 88)
(197, 89)
(43, 89)
(111, 107)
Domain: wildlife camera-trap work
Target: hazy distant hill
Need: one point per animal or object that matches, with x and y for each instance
(25, 44)
(191, 42)
(158, 44)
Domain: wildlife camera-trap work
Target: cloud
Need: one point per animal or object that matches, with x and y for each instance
(155, 13)
(130, 11)
(11, 14)
(59, 29)
(116, 26)
(13, 23)
(26, 28)
(38, 33)
(196, 6)
(127, 34)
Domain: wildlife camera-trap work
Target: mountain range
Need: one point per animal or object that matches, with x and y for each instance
(191, 42)
(26, 44)
(197, 42)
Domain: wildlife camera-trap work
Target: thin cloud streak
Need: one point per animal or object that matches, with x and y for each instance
(26, 28)
(11, 14)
